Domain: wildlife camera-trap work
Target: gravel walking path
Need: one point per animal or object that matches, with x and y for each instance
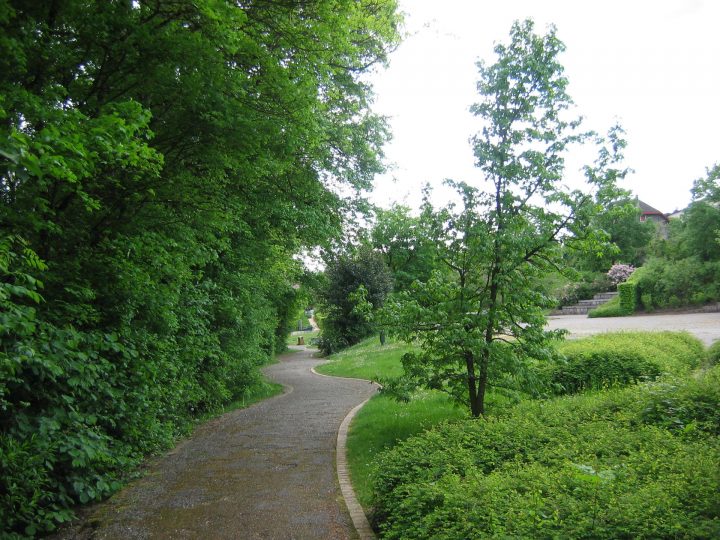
(266, 472)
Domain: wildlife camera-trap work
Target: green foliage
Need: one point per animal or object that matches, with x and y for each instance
(686, 266)
(708, 188)
(591, 466)
(713, 354)
(403, 240)
(356, 287)
(668, 283)
(480, 317)
(685, 405)
(620, 221)
(628, 294)
(622, 358)
(166, 162)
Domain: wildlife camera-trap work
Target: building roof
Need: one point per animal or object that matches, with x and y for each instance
(647, 209)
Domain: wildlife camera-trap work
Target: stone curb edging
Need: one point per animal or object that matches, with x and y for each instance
(357, 514)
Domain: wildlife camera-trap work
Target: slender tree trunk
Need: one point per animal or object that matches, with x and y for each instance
(475, 406)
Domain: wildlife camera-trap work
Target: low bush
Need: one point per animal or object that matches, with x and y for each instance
(685, 405)
(622, 358)
(668, 284)
(597, 465)
(713, 354)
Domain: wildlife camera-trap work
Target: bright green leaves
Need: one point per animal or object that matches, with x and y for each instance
(167, 160)
(357, 285)
(480, 320)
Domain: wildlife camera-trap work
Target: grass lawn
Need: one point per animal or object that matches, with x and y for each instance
(383, 422)
(367, 360)
(293, 337)
(262, 389)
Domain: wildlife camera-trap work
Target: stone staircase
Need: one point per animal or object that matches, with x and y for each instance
(582, 307)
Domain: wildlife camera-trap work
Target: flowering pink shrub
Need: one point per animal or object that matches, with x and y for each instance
(619, 273)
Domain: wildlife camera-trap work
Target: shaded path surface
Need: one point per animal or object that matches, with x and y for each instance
(705, 326)
(264, 472)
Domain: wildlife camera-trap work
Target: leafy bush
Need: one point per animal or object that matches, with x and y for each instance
(628, 294)
(80, 408)
(588, 466)
(667, 283)
(356, 286)
(685, 405)
(713, 354)
(622, 358)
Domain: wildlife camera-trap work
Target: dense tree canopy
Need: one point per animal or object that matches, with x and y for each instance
(402, 238)
(357, 285)
(165, 160)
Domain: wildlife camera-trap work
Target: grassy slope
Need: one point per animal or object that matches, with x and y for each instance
(383, 421)
(307, 336)
(367, 360)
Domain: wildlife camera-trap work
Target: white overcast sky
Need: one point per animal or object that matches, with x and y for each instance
(654, 66)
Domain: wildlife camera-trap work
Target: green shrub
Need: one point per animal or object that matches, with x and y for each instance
(677, 283)
(686, 404)
(622, 358)
(713, 354)
(628, 293)
(80, 408)
(587, 466)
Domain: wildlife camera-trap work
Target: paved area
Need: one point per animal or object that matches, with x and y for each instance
(706, 326)
(267, 472)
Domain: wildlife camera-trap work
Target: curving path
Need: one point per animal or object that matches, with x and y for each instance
(266, 472)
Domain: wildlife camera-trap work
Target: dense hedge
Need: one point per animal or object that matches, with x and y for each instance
(628, 294)
(79, 408)
(622, 358)
(633, 463)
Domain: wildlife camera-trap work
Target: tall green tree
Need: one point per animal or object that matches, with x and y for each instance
(481, 322)
(703, 217)
(619, 219)
(403, 240)
(357, 286)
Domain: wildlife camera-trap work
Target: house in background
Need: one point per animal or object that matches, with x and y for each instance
(648, 213)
